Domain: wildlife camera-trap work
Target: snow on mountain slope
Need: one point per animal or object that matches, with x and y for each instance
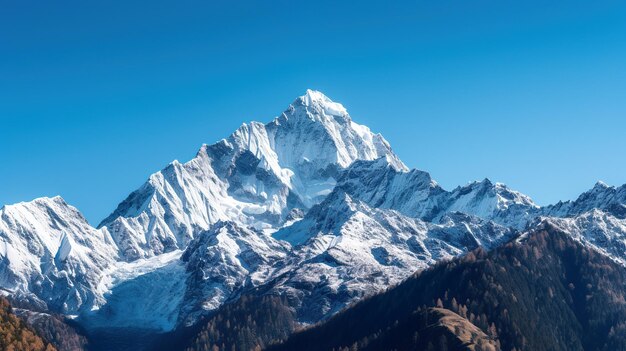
(597, 229)
(346, 250)
(339, 252)
(602, 196)
(494, 202)
(415, 194)
(164, 213)
(146, 293)
(50, 255)
(254, 178)
(412, 193)
(223, 261)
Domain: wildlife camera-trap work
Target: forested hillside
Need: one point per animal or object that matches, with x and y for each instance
(249, 324)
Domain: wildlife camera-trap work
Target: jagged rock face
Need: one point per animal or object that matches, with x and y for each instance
(415, 194)
(52, 256)
(254, 178)
(224, 261)
(494, 202)
(603, 197)
(412, 193)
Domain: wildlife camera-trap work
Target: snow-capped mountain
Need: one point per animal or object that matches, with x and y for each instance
(415, 194)
(601, 196)
(492, 201)
(310, 205)
(51, 256)
(255, 177)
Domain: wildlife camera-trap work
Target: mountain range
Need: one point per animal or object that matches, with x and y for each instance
(310, 207)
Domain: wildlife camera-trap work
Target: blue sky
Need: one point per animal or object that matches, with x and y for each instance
(94, 97)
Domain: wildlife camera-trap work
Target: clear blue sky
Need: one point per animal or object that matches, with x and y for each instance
(94, 97)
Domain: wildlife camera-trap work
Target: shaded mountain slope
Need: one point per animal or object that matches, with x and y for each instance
(250, 324)
(544, 291)
(429, 329)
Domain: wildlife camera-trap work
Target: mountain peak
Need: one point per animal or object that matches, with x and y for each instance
(600, 189)
(48, 243)
(486, 182)
(600, 185)
(319, 105)
(311, 97)
(314, 95)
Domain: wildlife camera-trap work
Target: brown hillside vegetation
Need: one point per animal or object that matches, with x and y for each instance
(15, 335)
(54, 329)
(461, 331)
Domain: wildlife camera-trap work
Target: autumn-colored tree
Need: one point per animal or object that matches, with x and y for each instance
(15, 335)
